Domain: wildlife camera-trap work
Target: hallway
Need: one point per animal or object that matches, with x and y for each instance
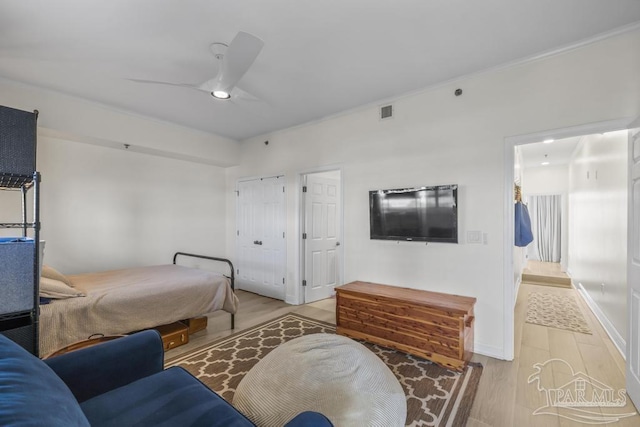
(505, 398)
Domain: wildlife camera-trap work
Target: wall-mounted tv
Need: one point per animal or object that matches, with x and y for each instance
(423, 214)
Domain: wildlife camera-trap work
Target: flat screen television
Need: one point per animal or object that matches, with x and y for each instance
(423, 214)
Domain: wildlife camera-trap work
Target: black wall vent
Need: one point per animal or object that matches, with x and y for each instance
(386, 112)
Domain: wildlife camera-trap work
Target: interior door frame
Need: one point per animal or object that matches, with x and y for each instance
(631, 377)
(509, 294)
(300, 221)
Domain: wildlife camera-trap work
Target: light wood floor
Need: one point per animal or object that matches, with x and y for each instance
(504, 397)
(545, 274)
(254, 309)
(542, 268)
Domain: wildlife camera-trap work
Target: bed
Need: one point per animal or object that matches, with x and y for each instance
(122, 301)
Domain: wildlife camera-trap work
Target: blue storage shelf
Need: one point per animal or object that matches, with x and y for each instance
(19, 259)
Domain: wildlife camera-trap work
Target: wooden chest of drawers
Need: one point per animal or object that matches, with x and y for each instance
(432, 325)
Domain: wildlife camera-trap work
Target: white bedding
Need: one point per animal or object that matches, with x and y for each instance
(123, 301)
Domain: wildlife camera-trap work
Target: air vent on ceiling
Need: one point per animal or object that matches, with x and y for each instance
(386, 112)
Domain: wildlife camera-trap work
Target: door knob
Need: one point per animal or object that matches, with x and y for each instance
(337, 243)
(257, 242)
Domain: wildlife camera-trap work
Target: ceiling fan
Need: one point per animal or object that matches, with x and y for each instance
(235, 60)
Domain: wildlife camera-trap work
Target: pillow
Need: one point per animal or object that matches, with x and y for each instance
(51, 288)
(51, 273)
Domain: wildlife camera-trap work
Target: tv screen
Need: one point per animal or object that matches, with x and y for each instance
(424, 214)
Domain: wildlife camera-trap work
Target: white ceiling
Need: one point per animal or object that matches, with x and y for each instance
(556, 153)
(320, 57)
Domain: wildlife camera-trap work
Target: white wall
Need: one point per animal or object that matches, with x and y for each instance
(105, 207)
(598, 221)
(438, 138)
(546, 181)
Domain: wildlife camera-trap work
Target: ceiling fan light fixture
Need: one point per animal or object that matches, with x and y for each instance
(220, 94)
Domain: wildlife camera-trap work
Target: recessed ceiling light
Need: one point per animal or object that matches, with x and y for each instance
(547, 141)
(220, 94)
(544, 163)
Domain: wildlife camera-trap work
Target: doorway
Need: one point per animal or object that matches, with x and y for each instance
(321, 265)
(544, 255)
(589, 177)
(511, 278)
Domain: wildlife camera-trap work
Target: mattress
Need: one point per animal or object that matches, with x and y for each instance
(123, 301)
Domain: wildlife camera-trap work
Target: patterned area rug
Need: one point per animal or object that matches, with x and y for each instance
(435, 396)
(556, 311)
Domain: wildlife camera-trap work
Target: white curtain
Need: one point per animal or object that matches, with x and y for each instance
(545, 212)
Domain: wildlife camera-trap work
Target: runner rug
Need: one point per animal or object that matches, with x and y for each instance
(435, 396)
(556, 311)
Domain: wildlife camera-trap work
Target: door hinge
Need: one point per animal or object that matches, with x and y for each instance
(237, 232)
(283, 234)
(283, 189)
(304, 188)
(304, 283)
(238, 193)
(238, 271)
(304, 235)
(283, 280)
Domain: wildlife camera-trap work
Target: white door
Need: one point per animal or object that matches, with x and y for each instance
(633, 270)
(260, 237)
(321, 237)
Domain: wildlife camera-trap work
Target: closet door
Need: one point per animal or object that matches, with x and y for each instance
(260, 237)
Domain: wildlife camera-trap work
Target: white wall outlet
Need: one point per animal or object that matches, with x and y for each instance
(474, 237)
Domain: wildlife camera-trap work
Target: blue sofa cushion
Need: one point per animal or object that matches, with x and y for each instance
(309, 419)
(31, 393)
(92, 371)
(169, 398)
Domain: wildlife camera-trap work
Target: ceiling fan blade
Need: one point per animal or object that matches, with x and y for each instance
(156, 82)
(243, 95)
(209, 85)
(241, 53)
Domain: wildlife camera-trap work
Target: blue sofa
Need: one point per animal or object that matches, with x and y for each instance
(116, 383)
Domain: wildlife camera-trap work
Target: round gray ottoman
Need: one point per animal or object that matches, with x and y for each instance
(326, 373)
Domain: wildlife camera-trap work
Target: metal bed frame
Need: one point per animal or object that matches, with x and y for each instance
(231, 277)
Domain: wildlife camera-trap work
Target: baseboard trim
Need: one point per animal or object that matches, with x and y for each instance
(259, 290)
(291, 299)
(617, 339)
(488, 350)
